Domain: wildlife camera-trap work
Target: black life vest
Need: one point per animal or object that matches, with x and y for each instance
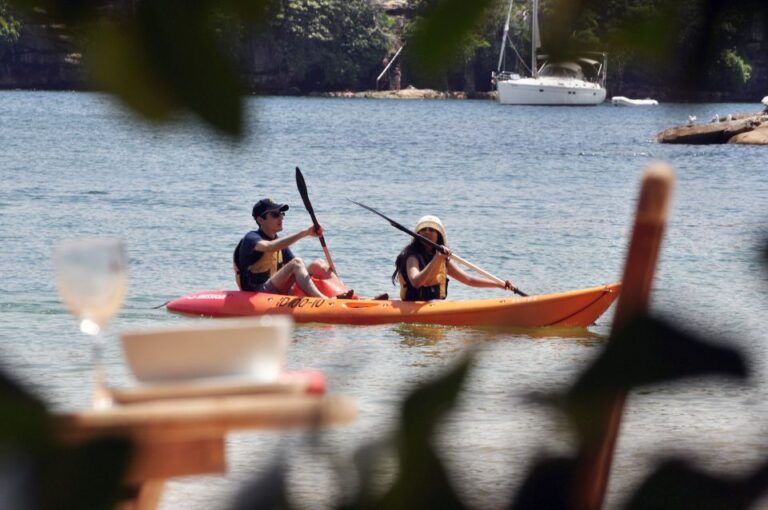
(257, 273)
(436, 289)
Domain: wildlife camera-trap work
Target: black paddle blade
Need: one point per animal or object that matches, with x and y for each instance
(302, 185)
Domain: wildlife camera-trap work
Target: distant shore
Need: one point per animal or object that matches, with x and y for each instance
(406, 93)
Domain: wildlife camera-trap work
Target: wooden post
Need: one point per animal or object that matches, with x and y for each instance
(175, 437)
(595, 457)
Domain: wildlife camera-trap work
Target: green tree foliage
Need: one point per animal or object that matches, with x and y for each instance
(684, 46)
(736, 65)
(328, 44)
(449, 41)
(10, 27)
(446, 31)
(692, 44)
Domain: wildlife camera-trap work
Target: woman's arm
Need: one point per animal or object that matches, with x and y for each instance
(420, 278)
(474, 281)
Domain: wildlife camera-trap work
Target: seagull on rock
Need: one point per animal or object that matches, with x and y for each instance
(691, 120)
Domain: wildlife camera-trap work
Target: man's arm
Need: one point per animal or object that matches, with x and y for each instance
(265, 245)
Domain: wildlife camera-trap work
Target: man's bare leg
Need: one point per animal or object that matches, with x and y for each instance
(322, 271)
(319, 269)
(295, 271)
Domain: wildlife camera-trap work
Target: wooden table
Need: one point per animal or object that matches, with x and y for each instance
(183, 437)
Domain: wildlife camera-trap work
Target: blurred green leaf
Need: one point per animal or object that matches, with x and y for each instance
(428, 403)
(162, 57)
(439, 35)
(650, 34)
(267, 492)
(422, 481)
(37, 472)
(121, 66)
(368, 459)
(547, 486)
(25, 422)
(645, 351)
(183, 55)
(87, 476)
(677, 485)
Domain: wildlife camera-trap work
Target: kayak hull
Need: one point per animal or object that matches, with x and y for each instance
(577, 308)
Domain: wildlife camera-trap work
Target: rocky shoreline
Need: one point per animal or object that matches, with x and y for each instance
(741, 128)
(406, 93)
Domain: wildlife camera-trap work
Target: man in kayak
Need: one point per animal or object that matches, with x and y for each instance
(264, 263)
(423, 271)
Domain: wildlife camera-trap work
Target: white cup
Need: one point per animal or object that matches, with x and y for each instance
(252, 349)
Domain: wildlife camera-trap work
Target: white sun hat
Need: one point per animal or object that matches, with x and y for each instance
(434, 222)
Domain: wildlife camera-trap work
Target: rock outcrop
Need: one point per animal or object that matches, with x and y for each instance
(733, 129)
(758, 136)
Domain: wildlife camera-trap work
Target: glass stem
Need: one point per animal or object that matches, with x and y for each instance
(102, 398)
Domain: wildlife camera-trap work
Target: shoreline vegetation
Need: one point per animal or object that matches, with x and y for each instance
(324, 47)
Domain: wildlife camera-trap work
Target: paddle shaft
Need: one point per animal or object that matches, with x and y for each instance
(486, 274)
(442, 249)
(302, 185)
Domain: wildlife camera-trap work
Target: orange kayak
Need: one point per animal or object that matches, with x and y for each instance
(576, 308)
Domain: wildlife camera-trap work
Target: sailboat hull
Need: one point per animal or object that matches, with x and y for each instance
(545, 91)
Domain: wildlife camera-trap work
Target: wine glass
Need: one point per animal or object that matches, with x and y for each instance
(92, 278)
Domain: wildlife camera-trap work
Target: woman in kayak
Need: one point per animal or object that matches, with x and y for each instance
(423, 271)
(264, 263)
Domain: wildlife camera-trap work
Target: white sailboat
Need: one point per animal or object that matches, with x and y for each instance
(578, 82)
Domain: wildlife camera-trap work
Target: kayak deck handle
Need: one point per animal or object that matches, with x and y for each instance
(360, 305)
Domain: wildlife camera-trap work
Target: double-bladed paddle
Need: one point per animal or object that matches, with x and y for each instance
(308, 205)
(440, 248)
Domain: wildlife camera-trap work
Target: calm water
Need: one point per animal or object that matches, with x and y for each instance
(543, 196)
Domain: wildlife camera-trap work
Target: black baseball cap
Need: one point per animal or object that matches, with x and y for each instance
(266, 205)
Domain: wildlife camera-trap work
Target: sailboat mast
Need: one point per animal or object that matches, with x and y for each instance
(504, 37)
(535, 38)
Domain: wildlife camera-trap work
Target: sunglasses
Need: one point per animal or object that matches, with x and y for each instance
(273, 214)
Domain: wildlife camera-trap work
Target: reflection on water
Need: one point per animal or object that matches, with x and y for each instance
(581, 336)
(420, 335)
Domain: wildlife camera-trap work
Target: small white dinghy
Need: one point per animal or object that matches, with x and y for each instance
(625, 101)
